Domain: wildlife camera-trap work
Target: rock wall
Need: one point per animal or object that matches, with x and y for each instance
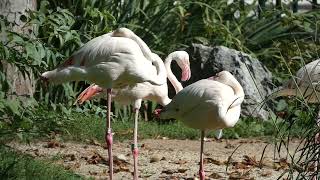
(22, 84)
(254, 77)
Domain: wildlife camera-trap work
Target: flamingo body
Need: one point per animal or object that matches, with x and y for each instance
(136, 92)
(305, 83)
(147, 91)
(206, 104)
(109, 62)
(212, 103)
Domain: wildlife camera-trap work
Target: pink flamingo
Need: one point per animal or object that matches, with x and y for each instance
(145, 91)
(114, 60)
(212, 103)
(305, 84)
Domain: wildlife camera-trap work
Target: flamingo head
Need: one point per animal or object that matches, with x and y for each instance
(182, 59)
(157, 113)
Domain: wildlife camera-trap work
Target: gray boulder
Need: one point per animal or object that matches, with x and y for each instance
(254, 77)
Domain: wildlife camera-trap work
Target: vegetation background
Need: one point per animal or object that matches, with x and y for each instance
(284, 40)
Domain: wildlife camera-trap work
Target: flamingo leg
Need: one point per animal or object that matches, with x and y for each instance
(108, 135)
(134, 147)
(201, 171)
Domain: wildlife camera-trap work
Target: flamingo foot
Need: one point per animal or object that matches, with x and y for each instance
(109, 141)
(135, 153)
(202, 175)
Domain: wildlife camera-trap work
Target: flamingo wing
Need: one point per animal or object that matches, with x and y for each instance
(200, 104)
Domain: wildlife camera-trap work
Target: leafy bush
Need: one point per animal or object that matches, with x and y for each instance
(58, 28)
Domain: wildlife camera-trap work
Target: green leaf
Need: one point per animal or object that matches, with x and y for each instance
(13, 106)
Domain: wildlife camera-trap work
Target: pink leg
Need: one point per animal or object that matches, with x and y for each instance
(108, 136)
(135, 150)
(201, 171)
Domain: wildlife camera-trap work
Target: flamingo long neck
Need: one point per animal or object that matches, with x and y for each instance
(239, 94)
(172, 78)
(143, 46)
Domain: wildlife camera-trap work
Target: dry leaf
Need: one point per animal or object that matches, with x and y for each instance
(251, 161)
(54, 144)
(121, 168)
(237, 175)
(93, 173)
(182, 170)
(229, 146)
(181, 162)
(214, 161)
(95, 142)
(266, 173)
(70, 157)
(96, 158)
(215, 176)
(168, 171)
(282, 164)
(240, 165)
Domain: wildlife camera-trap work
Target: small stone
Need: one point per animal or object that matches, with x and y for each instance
(120, 157)
(155, 158)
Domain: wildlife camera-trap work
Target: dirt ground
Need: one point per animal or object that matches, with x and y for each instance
(166, 159)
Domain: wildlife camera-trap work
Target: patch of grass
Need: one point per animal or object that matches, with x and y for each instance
(82, 127)
(14, 165)
(79, 127)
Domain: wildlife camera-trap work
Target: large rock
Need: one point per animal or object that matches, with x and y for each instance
(22, 84)
(254, 77)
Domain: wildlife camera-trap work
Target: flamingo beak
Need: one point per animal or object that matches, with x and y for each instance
(88, 93)
(186, 72)
(157, 113)
(44, 80)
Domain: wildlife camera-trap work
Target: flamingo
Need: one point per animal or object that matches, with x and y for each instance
(145, 91)
(305, 84)
(208, 104)
(113, 60)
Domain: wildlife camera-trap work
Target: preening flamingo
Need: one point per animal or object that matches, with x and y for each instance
(111, 61)
(208, 104)
(305, 84)
(147, 91)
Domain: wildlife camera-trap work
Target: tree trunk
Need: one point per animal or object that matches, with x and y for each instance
(21, 83)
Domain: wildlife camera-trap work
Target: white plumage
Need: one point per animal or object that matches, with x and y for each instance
(114, 60)
(208, 104)
(147, 91)
(110, 62)
(305, 83)
(135, 93)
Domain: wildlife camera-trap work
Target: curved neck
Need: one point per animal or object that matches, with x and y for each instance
(239, 93)
(144, 47)
(172, 78)
(161, 70)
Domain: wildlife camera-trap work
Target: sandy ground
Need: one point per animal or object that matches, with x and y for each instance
(166, 159)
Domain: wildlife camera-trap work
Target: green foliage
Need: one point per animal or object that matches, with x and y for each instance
(77, 127)
(17, 166)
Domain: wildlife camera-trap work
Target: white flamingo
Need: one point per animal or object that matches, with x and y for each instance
(143, 91)
(114, 60)
(208, 104)
(305, 84)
